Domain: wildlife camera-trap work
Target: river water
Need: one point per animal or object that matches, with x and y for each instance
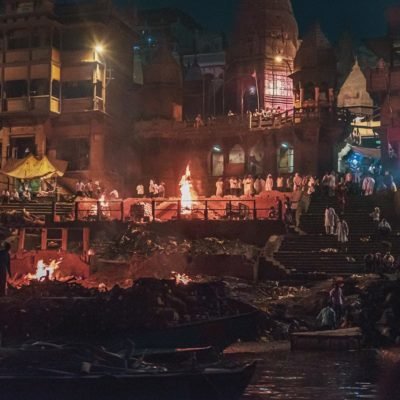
(314, 376)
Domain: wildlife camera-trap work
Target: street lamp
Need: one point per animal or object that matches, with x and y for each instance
(99, 48)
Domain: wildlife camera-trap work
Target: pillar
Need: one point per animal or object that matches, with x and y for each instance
(316, 89)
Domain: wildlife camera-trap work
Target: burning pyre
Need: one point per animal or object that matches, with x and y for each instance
(186, 188)
(45, 271)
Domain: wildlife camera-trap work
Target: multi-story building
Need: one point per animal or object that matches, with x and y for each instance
(66, 76)
(261, 56)
(258, 75)
(384, 86)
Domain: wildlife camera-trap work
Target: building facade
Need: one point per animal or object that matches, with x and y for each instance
(66, 74)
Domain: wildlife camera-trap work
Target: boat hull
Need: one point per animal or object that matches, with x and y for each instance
(217, 384)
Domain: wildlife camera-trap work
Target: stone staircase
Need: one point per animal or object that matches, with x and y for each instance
(317, 255)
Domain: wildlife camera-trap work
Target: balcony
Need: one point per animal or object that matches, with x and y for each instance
(41, 54)
(20, 104)
(77, 56)
(15, 56)
(82, 105)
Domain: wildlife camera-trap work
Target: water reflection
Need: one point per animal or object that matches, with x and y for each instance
(315, 376)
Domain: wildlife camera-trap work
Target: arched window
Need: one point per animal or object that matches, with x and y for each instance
(237, 155)
(217, 161)
(256, 159)
(285, 159)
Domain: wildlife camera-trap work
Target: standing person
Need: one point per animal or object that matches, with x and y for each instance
(140, 191)
(279, 183)
(232, 186)
(325, 184)
(368, 185)
(357, 178)
(279, 208)
(248, 185)
(269, 183)
(161, 190)
(342, 232)
(297, 182)
(342, 196)
(337, 301)
(79, 188)
(97, 189)
(219, 188)
(288, 217)
(4, 267)
(330, 220)
(326, 318)
(384, 228)
(89, 188)
(376, 216)
(332, 184)
(239, 190)
(289, 183)
(152, 189)
(348, 180)
(257, 185)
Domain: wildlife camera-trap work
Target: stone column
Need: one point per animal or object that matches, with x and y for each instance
(316, 89)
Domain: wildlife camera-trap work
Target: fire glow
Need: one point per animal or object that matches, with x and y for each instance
(186, 191)
(45, 271)
(181, 279)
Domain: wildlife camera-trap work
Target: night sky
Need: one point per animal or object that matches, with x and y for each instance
(364, 18)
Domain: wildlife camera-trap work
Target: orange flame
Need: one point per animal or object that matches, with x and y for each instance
(44, 270)
(181, 279)
(186, 191)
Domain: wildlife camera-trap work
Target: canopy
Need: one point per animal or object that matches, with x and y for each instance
(31, 167)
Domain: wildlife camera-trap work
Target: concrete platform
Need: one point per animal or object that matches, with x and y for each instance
(337, 340)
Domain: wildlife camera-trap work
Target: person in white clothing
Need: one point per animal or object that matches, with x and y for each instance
(140, 190)
(152, 188)
(279, 183)
(330, 220)
(269, 183)
(248, 185)
(233, 186)
(219, 186)
(297, 182)
(332, 184)
(368, 186)
(114, 194)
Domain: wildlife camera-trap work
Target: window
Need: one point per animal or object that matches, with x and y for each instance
(77, 90)
(396, 53)
(40, 87)
(16, 89)
(76, 152)
(56, 39)
(24, 6)
(217, 161)
(18, 40)
(236, 155)
(20, 147)
(285, 159)
(55, 89)
(74, 40)
(40, 38)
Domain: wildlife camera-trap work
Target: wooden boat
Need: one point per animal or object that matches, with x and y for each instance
(217, 332)
(336, 340)
(210, 383)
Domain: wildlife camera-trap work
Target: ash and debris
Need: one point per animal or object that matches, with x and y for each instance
(137, 241)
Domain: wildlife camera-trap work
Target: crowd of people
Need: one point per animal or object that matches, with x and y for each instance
(251, 185)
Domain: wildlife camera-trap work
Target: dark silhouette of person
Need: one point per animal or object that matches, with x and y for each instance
(4, 267)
